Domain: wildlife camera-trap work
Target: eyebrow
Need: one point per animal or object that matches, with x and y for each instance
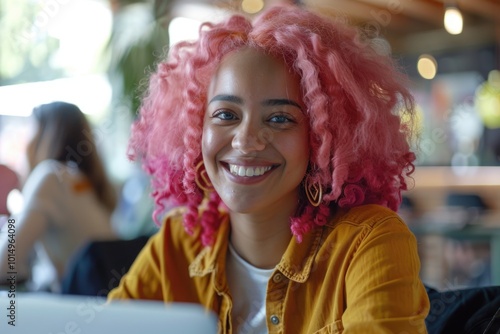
(227, 98)
(268, 103)
(281, 102)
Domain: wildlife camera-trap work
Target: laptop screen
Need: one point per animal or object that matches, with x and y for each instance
(58, 314)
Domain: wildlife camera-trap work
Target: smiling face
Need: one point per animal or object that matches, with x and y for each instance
(255, 135)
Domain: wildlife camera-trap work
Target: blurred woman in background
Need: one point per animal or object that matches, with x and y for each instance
(68, 199)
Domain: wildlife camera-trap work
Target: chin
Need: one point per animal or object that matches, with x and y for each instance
(239, 205)
(239, 208)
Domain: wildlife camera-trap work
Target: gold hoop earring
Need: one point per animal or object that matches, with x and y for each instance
(202, 180)
(314, 192)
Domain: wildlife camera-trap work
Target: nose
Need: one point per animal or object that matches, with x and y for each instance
(249, 138)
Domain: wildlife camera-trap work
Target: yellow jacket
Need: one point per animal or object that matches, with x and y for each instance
(357, 274)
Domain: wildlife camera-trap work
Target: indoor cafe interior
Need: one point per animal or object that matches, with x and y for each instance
(97, 54)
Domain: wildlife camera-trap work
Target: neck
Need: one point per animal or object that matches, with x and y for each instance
(260, 239)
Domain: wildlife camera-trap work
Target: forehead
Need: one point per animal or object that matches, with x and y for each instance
(251, 57)
(252, 70)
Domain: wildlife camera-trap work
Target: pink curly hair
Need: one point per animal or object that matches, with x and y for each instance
(354, 98)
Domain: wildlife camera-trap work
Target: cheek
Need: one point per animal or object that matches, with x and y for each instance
(296, 152)
(206, 142)
(207, 152)
(300, 145)
(212, 142)
(300, 156)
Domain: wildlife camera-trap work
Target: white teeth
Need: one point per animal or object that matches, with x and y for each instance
(248, 171)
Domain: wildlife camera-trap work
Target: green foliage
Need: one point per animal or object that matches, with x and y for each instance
(25, 46)
(138, 41)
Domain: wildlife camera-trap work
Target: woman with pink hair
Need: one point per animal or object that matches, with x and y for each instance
(282, 142)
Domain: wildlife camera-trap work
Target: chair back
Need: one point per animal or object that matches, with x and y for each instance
(97, 268)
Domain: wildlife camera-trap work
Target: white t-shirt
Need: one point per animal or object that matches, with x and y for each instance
(248, 286)
(61, 211)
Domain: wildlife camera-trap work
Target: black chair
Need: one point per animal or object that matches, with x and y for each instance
(464, 311)
(97, 268)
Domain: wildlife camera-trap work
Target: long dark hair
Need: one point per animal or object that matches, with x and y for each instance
(64, 134)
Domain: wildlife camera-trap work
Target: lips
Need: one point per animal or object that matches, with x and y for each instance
(248, 171)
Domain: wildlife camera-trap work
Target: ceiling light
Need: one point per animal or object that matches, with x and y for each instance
(427, 66)
(252, 6)
(453, 21)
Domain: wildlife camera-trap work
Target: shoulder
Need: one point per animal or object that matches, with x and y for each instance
(366, 222)
(173, 221)
(53, 170)
(370, 234)
(44, 177)
(173, 237)
(366, 216)
(47, 167)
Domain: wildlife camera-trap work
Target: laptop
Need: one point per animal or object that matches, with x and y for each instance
(30, 313)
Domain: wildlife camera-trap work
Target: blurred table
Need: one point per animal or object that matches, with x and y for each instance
(483, 229)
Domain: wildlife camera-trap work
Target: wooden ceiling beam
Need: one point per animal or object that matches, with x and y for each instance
(356, 11)
(440, 40)
(484, 8)
(420, 10)
(342, 8)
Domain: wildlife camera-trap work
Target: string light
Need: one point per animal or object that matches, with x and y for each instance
(453, 20)
(252, 6)
(427, 66)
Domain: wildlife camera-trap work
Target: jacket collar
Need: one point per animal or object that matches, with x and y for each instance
(296, 264)
(212, 257)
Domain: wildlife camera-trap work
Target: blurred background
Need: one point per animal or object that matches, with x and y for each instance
(97, 54)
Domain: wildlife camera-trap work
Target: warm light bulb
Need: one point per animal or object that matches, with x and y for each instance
(252, 6)
(453, 21)
(15, 201)
(427, 67)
